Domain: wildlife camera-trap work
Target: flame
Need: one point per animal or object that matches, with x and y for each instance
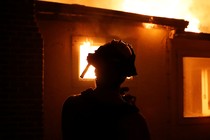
(163, 8)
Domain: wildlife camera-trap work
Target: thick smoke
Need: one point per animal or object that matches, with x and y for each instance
(200, 8)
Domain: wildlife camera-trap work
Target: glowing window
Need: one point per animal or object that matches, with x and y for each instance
(85, 48)
(196, 74)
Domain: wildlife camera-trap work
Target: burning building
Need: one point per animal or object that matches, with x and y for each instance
(173, 65)
(172, 87)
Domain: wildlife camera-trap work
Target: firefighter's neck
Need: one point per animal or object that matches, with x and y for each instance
(108, 93)
(108, 87)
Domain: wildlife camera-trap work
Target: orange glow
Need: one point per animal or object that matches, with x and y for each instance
(205, 93)
(86, 48)
(196, 87)
(149, 25)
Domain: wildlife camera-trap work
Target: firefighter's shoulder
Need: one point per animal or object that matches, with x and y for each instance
(78, 98)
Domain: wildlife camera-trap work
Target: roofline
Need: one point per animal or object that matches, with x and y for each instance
(74, 10)
(193, 36)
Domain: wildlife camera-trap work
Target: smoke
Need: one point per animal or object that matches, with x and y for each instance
(200, 9)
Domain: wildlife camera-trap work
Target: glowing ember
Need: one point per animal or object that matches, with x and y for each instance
(149, 25)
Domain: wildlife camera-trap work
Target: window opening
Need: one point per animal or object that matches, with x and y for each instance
(196, 76)
(85, 48)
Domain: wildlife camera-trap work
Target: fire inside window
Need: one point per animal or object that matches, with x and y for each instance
(196, 73)
(85, 48)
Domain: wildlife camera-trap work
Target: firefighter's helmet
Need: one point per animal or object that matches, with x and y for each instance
(116, 53)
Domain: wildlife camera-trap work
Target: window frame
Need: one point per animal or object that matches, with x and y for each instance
(76, 41)
(185, 48)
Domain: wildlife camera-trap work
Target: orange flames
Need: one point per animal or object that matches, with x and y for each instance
(164, 8)
(194, 11)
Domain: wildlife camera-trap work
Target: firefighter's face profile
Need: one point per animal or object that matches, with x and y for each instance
(108, 75)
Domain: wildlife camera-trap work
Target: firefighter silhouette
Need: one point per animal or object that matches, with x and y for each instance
(107, 112)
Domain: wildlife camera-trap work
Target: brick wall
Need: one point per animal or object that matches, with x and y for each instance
(21, 65)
